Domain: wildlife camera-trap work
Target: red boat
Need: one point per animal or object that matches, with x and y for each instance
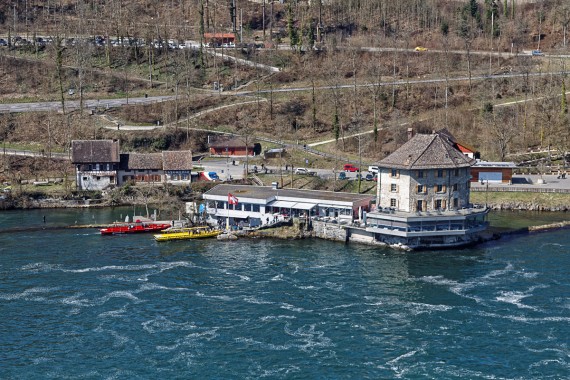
(133, 228)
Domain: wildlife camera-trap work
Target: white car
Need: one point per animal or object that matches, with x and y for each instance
(373, 169)
(301, 171)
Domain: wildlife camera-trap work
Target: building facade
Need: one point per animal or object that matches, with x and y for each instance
(96, 163)
(424, 196)
(264, 205)
(99, 165)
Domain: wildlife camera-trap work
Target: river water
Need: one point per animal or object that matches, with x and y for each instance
(75, 304)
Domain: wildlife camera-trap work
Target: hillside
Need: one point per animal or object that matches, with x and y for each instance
(351, 64)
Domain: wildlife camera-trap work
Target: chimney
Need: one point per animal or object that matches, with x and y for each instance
(410, 133)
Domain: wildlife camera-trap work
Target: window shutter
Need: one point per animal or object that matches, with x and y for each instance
(443, 204)
(435, 189)
(444, 189)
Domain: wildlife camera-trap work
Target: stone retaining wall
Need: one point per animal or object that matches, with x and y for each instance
(330, 231)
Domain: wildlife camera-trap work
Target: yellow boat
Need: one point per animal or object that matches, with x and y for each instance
(186, 233)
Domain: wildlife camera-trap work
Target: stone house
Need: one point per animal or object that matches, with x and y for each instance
(426, 173)
(96, 163)
(424, 189)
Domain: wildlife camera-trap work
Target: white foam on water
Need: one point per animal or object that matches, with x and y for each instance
(154, 286)
(287, 306)
(41, 360)
(403, 356)
(162, 324)
(520, 318)
(240, 276)
(279, 277)
(422, 308)
(277, 317)
(187, 358)
(163, 266)
(279, 372)
(309, 287)
(76, 300)
(118, 294)
(256, 301)
(120, 313)
(334, 286)
(40, 267)
(32, 294)
(514, 298)
(308, 337)
(344, 306)
(548, 362)
(222, 298)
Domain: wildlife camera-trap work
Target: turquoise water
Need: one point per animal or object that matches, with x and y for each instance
(75, 304)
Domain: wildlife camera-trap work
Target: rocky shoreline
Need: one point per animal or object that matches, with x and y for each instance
(523, 206)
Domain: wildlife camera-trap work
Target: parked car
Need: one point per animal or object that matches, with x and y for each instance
(342, 175)
(420, 48)
(305, 171)
(373, 169)
(537, 53)
(370, 177)
(350, 168)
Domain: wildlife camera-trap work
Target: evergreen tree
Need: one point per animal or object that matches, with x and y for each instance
(293, 33)
(336, 126)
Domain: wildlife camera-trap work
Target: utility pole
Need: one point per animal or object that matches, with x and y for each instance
(263, 20)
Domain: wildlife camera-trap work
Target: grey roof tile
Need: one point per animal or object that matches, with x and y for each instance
(426, 152)
(177, 160)
(94, 151)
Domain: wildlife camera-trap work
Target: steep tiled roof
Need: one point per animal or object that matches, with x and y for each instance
(181, 160)
(141, 161)
(94, 151)
(223, 142)
(426, 152)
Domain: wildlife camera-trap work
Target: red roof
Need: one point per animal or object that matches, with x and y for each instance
(464, 149)
(219, 35)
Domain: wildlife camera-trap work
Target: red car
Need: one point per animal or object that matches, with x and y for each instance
(350, 168)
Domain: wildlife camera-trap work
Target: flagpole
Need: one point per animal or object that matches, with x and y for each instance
(228, 218)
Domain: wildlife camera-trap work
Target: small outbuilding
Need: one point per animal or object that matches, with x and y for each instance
(486, 171)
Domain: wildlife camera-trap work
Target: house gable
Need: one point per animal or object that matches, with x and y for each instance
(94, 151)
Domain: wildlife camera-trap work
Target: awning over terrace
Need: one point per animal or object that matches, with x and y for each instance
(292, 205)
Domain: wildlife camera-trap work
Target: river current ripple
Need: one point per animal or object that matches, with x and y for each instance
(77, 305)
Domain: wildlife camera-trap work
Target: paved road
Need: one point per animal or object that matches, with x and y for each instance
(75, 104)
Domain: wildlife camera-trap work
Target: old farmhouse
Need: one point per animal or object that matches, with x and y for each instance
(99, 165)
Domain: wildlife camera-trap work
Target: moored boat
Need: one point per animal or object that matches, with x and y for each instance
(186, 233)
(135, 227)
